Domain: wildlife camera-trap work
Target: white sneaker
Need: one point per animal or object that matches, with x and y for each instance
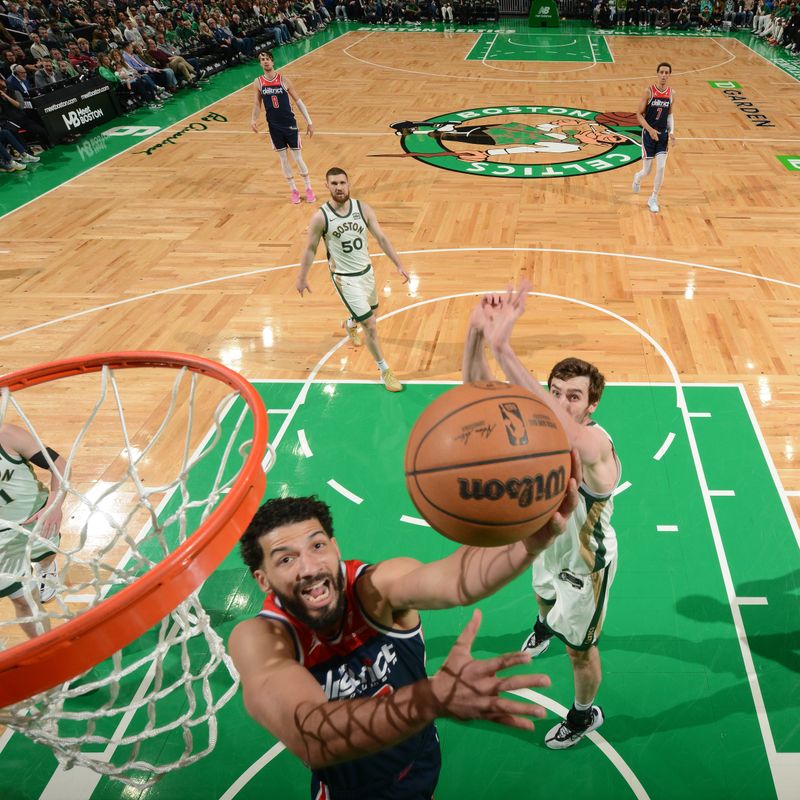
(538, 641)
(652, 204)
(48, 581)
(29, 158)
(563, 736)
(390, 382)
(12, 166)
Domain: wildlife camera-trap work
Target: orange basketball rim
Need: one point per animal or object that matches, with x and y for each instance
(81, 643)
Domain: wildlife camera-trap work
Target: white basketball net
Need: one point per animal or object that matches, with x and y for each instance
(152, 707)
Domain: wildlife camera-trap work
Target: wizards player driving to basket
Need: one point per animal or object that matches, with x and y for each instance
(334, 664)
(274, 90)
(656, 116)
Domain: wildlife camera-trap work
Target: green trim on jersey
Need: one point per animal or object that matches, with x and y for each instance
(597, 531)
(4, 454)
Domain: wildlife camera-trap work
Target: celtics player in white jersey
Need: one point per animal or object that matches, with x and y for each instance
(24, 500)
(572, 578)
(343, 222)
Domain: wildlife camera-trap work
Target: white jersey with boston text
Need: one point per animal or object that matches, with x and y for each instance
(590, 542)
(346, 240)
(21, 492)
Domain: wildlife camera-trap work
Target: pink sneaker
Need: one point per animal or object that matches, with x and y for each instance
(295, 196)
(310, 196)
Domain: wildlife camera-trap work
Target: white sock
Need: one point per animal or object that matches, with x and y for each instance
(382, 365)
(581, 706)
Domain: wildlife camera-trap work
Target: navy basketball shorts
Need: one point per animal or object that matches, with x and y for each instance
(652, 147)
(284, 137)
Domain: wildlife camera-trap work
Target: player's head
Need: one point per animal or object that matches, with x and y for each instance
(289, 548)
(338, 184)
(664, 70)
(577, 386)
(266, 60)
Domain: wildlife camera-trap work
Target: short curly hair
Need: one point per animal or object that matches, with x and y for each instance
(275, 513)
(578, 368)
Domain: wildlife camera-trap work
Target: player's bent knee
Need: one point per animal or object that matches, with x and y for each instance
(581, 656)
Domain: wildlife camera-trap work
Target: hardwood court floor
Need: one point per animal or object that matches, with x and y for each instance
(200, 240)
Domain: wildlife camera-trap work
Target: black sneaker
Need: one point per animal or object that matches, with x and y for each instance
(538, 641)
(569, 732)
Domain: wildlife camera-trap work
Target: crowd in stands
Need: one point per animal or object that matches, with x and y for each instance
(776, 22)
(147, 50)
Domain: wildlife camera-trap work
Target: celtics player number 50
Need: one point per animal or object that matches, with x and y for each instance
(356, 244)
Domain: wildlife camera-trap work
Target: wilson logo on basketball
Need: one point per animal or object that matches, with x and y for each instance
(524, 490)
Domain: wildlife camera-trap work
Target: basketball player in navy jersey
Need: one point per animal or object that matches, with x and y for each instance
(274, 91)
(334, 664)
(655, 115)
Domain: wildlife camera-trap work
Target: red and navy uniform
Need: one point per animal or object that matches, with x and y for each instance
(281, 121)
(656, 114)
(364, 660)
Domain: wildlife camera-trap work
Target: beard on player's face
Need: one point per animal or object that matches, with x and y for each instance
(317, 619)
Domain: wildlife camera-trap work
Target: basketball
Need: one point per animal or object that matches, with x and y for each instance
(487, 463)
(626, 118)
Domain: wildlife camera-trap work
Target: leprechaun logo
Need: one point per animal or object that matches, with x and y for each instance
(523, 141)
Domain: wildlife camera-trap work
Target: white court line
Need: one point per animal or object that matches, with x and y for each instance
(252, 771)
(771, 465)
(722, 493)
(278, 411)
(414, 521)
(664, 447)
(710, 139)
(336, 486)
(84, 599)
(701, 414)
(607, 79)
(430, 251)
(751, 601)
(666, 528)
(792, 493)
(489, 49)
(301, 435)
(622, 487)
(551, 705)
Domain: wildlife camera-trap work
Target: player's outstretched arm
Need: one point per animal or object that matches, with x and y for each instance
(382, 240)
(256, 108)
(470, 573)
(283, 697)
(315, 228)
(474, 366)
(20, 441)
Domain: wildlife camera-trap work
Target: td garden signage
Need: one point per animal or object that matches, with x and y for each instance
(523, 141)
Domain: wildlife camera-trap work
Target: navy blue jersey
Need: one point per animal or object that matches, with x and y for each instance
(366, 659)
(658, 108)
(277, 104)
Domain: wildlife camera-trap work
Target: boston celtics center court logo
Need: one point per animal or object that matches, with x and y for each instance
(524, 141)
